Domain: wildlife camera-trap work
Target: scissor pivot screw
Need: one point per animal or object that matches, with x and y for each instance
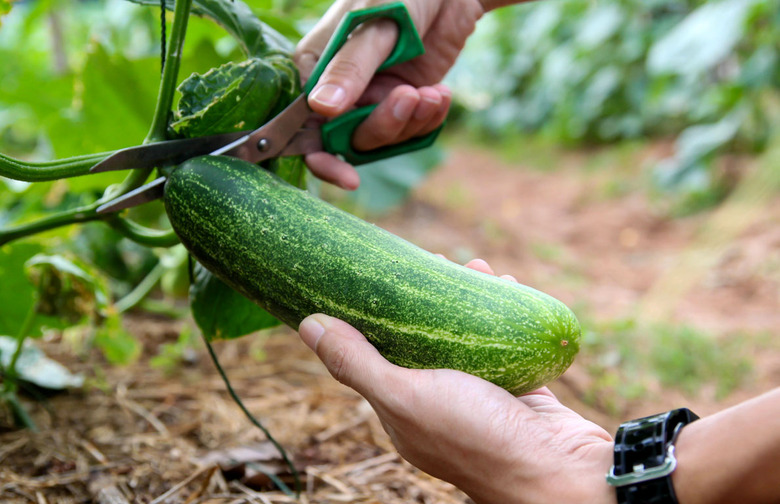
(263, 144)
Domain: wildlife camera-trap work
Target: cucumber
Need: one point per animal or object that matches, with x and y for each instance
(294, 254)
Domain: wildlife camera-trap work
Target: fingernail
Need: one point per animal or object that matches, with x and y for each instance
(404, 107)
(328, 95)
(311, 331)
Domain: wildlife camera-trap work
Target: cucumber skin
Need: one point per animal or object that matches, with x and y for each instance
(294, 254)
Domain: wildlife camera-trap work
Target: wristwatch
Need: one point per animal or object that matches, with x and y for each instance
(644, 458)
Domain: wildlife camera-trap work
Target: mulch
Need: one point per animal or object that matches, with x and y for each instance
(138, 434)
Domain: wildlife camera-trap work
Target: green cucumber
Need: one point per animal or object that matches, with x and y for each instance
(294, 255)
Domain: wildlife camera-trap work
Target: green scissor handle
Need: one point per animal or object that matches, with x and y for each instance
(337, 133)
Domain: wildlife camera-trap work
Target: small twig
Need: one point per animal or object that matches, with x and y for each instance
(366, 464)
(251, 494)
(203, 486)
(53, 480)
(92, 450)
(144, 413)
(338, 429)
(176, 488)
(12, 447)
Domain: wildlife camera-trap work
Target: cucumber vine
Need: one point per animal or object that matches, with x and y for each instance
(276, 82)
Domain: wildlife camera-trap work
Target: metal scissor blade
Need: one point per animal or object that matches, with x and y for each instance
(168, 152)
(270, 139)
(147, 192)
(306, 141)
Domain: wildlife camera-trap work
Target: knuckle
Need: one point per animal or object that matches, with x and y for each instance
(344, 70)
(339, 363)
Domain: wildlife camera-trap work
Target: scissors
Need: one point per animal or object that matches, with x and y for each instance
(284, 134)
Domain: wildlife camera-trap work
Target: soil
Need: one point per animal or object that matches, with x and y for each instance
(590, 237)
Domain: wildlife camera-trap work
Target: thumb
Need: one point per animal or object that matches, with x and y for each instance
(350, 71)
(347, 354)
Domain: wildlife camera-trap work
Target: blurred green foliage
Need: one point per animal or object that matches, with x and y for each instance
(582, 72)
(627, 361)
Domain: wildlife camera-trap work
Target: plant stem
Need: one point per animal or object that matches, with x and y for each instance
(10, 383)
(255, 421)
(181, 14)
(72, 216)
(143, 235)
(141, 290)
(21, 417)
(49, 170)
(24, 331)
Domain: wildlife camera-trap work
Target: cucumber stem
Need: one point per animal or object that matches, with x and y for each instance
(27, 171)
(159, 127)
(141, 290)
(142, 234)
(72, 216)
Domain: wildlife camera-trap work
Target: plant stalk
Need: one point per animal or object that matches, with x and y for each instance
(10, 383)
(72, 216)
(158, 129)
(141, 234)
(49, 170)
(141, 290)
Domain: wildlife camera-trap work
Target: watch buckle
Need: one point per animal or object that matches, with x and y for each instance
(642, 473)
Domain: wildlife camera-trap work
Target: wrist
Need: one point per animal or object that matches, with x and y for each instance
(574, 483)
(731, 456)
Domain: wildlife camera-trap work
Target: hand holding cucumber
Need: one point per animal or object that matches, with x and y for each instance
(494, 446)
(531, 449)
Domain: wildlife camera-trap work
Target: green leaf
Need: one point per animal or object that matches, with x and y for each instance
(5, 8)
(232, 97)
(118, 346)
(687, 169)
(221, 312)
(256, 37)
(702, 40)
(113, 105)
(17, 294)
(34, 367)
(66, 289)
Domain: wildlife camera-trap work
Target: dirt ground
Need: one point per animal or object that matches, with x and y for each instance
(590, 237)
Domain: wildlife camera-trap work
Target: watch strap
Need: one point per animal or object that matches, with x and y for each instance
(644, 457)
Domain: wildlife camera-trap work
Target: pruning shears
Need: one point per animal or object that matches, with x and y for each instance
(285, 134)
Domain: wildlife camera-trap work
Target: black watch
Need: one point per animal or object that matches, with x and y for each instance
(644, 458)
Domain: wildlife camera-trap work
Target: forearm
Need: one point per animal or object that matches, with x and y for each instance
(732, 456)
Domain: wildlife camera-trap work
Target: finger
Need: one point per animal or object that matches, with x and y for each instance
(349, 357)
(388, 120)
(405, 113)
(311, 46)
(480, 265)
(352, 68)
(333, 170)
(444, 108)
(509, 277)
(429, 108)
